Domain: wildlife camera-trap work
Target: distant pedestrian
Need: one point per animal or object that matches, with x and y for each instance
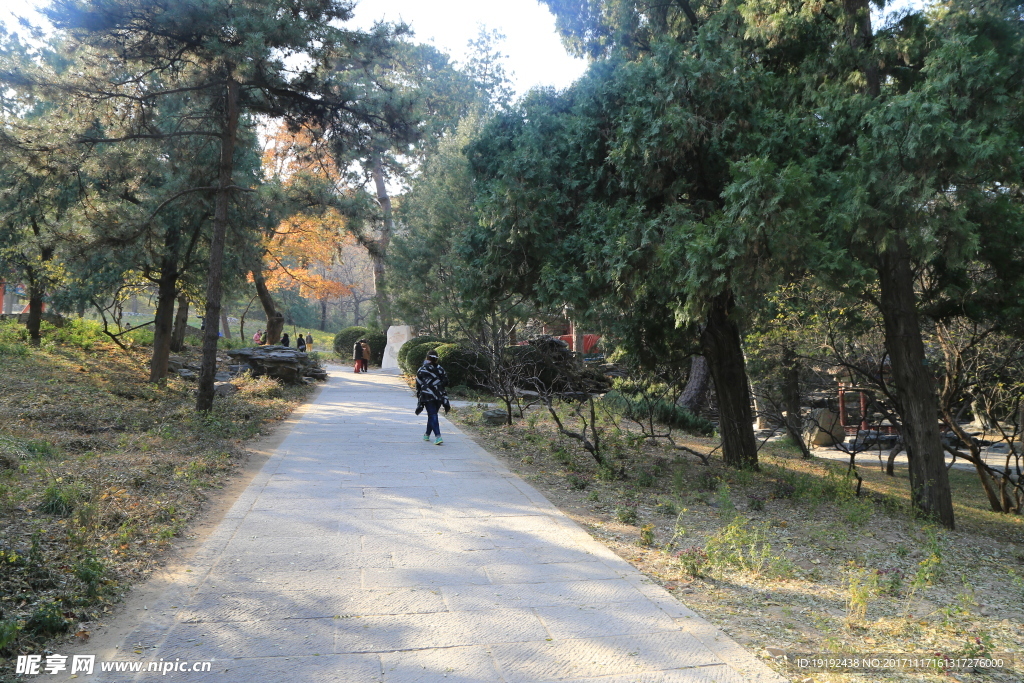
(258, 337)
(285, 341)
(367, 355)
(431, 394)
(357, 356)
(309, 342)
(300, 343)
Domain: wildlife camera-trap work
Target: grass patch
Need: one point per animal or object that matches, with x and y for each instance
(100, 470)
(789, 556)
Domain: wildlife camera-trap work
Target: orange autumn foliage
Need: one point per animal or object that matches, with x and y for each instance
(303, 249)
(301, 254)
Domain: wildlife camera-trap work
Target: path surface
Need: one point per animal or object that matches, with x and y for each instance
(361, 553)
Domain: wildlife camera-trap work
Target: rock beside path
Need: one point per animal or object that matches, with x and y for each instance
(280, 362)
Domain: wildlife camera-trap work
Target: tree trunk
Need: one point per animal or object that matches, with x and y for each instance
(323, 314)
(204, 396)
(180, 325)
(275, 320)
(791, 400)
(696, 390)
(35, 311)
(163, 325)
(914, 386)
(721, 346)
(379, 253)
(224, 323)
(36, 291)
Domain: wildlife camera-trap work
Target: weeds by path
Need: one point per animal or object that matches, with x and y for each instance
(789, 558)
(99, 470)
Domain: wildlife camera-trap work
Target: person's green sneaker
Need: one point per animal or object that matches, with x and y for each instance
(439, 441)
(426, 437)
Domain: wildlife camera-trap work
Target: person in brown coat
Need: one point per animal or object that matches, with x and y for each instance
(367, 354)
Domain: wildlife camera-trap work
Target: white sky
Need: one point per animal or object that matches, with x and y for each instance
(535, 53)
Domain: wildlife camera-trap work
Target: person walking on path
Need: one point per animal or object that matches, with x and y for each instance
(367, 354)
(357, 355)
(431, 381)
(309, 342)
(300, 343)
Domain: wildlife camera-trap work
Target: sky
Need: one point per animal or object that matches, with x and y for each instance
(535, 53)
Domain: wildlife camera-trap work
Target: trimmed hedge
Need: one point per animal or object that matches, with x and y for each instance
(346, 339)
(408, 346)
(465, 367)
(415, 356)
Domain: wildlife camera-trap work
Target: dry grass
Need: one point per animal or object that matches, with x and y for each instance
(789, 558)
(99, 470)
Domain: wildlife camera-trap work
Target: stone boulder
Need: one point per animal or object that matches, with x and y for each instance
(822, 428)
(495, 417)
(397, 335)
(283, 363)
(224, 389)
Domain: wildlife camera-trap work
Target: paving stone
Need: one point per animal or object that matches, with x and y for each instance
(580, 658)
(302, 561)
(438, 541)
(418, 557)
(228, 640)
(305, 669)
(267, 582)
(442, 629)
(413, 577)
(472, 664)
(377, 527)
(269, 545)
(616, 619)
(550, 594)
(554, 571)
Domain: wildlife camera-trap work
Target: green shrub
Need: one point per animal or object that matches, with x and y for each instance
(8, 635)
(14, 349)
(640, 406)
(61, 499)
(646, 478)
(90, 572)
(464, 366)
(403, 351)
(47, 620)
(576, 482)
(626, 513)
(346, 339)
(416, 355)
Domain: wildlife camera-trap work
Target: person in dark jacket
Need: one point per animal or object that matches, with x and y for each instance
(431, 383)
(300, 343)
(357, 355)
(285, 341)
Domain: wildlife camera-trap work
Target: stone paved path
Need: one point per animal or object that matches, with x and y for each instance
(361, 553)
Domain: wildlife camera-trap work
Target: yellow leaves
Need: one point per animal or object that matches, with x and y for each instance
(302, 252)
(115, 494)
